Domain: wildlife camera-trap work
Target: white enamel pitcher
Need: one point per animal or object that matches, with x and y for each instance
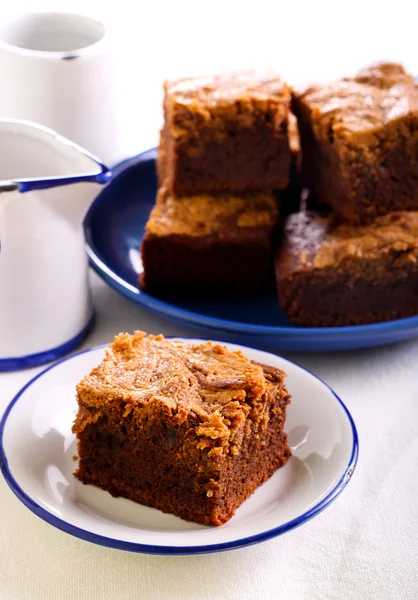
(63, 71)
(46, 186)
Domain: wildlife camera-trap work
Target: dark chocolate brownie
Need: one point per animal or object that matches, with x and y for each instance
(190, 429)
(225, 133)
(338, 274)
(359, 141)
(210, 243)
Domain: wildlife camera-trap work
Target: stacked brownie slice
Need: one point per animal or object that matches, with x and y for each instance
(224, 156)
(358, 262)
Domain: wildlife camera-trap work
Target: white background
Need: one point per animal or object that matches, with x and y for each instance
(302, 39)
(366, 544)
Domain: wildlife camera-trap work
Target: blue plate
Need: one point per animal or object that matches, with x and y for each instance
(114, 226)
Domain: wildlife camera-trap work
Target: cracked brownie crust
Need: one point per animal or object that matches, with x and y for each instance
(190, 429)
(359, 140)
(331, 274)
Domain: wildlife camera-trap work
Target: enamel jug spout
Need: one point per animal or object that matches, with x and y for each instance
(36, 159)
(46, 186)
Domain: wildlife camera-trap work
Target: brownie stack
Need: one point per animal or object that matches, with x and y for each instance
(224, 156)
(232, 157)
(358, 262)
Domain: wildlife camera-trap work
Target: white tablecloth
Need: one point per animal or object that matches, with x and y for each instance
(365, 545)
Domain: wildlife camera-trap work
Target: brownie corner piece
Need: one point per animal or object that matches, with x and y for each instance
(190, 429)
(332, 274)
(210, 244)
(226, 133)
(359, 141)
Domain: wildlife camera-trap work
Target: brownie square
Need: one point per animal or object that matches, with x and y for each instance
(331, 274)
(225, 133)
(359, 141)
(210, 244)
(189, 429)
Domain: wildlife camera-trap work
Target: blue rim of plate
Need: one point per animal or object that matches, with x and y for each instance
(192, 318)
(172, 550)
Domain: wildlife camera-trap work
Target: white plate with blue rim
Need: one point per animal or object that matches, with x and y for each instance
(37, 450)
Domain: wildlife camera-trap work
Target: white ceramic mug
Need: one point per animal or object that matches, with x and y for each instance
(57, 70)
(46, 185)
